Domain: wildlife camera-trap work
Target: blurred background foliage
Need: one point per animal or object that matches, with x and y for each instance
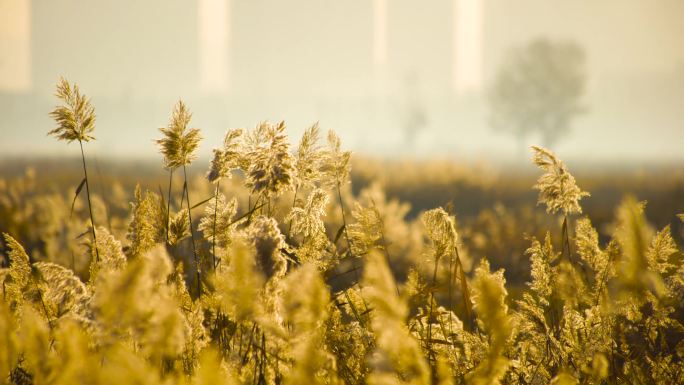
(495, 209)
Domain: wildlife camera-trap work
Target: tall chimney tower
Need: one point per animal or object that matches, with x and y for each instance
(467, 45)
(214, 45)
(15, 45)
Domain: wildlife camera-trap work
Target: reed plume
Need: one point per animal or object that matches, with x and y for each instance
(76, 121)
(178, 145)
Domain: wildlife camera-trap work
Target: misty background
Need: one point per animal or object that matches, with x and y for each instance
(392, 77)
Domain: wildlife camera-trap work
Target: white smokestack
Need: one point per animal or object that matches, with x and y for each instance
(214, 29)
(15, 45)
(379, 34)
(467, 45)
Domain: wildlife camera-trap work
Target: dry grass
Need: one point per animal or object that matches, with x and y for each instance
(288, 275)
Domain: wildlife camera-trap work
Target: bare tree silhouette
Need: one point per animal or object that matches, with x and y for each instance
(538, 91)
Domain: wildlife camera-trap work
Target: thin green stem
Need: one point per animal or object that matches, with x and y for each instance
(263, 357)
(90, 205)
(464, 289)
(346, 236)
(213, 238)
(252, 210)
(451, 281)
(566, 239)
(349, 253)
(294, 202)
(344, 218)
(432, 301)
(47, 315)
(168, 206)
(192, 235)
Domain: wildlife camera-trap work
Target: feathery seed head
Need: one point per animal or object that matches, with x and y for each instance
(336, 163)
(271, 169)
(268, 243)
(587, 243)
(661, 251)
(306, 312)
(633, 234)
(179, 227)
(398, 354)
(557, 187)
(158, 265)
(541, 258)
(441, 229)
(76, 118)
(62, 292)
(9, 356)
(308, 220)
(367, 230)
(179, 142)
(223, 211)
(308, 157)
(240, 283)
(148, 223)
(111, 255)
(227, 158)
(489, 302)
(19, 273)
(138, 303)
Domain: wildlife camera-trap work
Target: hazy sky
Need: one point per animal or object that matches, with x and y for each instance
(393, 77)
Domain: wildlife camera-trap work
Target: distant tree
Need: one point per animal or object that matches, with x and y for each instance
(538, 91)
(412, 111)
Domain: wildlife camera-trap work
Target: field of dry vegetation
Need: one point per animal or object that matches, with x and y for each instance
(278, 264)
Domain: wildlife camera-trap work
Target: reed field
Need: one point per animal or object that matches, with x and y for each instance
(292, 262)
